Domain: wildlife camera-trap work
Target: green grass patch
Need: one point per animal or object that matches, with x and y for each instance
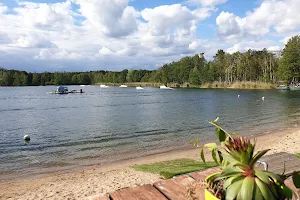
(298, 155)
(171, 168)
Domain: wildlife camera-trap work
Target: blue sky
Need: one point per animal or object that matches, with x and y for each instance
(83, 35)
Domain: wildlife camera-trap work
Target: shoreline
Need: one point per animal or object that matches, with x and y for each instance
(245, 85)
(87, 181)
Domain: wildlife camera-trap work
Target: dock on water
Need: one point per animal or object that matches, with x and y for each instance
(65, 90)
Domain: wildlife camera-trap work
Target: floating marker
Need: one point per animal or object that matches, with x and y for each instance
(26, 137)
(263, 98)
(239, 96)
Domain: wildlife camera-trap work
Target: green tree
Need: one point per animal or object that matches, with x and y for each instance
(195, 76)
(36, 80)
(289, 64)
(123, 76)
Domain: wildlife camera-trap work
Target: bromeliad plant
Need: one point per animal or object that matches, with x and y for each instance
(239, 178)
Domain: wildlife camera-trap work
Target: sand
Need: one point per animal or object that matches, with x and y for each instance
(94, 181)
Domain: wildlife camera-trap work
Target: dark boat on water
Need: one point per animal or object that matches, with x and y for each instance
(65, 90)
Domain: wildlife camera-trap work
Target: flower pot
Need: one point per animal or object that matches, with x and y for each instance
(208, 195)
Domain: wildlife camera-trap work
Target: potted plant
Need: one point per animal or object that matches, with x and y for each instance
(238, 177)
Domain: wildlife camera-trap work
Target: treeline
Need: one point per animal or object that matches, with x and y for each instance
(257, 66)
(22, 78)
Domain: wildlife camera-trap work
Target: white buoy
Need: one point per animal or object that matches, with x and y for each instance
(239, 96)
(263, 98)
(26, 137)
(139, 88)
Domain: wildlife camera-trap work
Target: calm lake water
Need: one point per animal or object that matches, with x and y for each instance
(110, 124)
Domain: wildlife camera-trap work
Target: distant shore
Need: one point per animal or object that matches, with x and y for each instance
(223, 85)
(250, 85)
(96, 180)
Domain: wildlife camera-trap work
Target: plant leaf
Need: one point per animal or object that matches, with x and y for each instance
(241, 165)
(228, 175)
(257, 193)
(245, 158)
(273, 190)
(202, 155)
(216, 119)
(264, 189)
(247, 188)
(230, 159)
(275, 177)
(296, 179)
(235, 134)
(233, 190)
(211, 146)
(262, 176)
(214, 156)
(231, 180)
(286, 191)
(220, 156)
(258, 156)
(196, 142)
(220, 134)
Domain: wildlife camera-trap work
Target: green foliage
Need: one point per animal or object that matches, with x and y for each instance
(240, 178)
(171, 168)
(289, 65)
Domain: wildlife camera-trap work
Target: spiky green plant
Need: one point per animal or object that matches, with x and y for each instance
(239, 176)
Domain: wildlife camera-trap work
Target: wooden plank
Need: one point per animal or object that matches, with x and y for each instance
(144, 192)
(203, 174)
(175, 188)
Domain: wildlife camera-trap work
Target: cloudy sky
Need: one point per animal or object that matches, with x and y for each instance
(83, 35)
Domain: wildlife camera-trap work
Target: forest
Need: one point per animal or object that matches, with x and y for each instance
(253, 65)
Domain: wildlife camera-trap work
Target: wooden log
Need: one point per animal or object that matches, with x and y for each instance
(175, 188)
(145, 192)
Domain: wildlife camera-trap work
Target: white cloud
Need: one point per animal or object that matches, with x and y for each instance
(161, 20)
(252, 44)
(274, 48)
(113, 18)
(282, 16)
(170, 29)
(207, 2)
(229, 25)
(204, 12)
(105, 52)
(3, 8)
(194, 45)
(57, 54)
(32, 41)
(4, 39)
(46, 16)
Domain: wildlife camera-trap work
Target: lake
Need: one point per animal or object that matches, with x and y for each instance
(110, 124)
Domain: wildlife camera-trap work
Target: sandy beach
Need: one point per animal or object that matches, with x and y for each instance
(95, 181)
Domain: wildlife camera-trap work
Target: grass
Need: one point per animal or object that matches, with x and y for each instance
(171, 168)
(298, 155)
(240, 85)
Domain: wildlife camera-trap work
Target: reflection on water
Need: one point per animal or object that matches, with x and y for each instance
(105, 125)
